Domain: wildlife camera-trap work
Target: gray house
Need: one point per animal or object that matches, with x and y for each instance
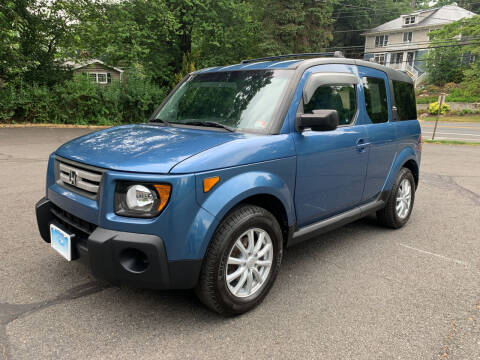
(401, 43)
(97, 71)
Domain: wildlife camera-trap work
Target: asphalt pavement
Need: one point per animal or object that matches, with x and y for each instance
(362, 291)
(458, 131)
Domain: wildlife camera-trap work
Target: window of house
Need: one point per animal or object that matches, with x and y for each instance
(408, 20)
(379, 58)
(396, 58)
(381, 40)
(404, 100)
(101, 78)
(407, 37)
(340, 97)
(375, 99)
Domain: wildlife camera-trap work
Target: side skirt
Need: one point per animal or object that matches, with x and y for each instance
(323, 226)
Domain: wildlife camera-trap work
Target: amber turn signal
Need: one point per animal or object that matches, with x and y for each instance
(209, 183)
(163, 191)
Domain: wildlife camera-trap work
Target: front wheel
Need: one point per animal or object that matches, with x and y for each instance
(399, 206)
(242, 261)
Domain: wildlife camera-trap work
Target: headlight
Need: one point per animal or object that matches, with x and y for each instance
(141, 200)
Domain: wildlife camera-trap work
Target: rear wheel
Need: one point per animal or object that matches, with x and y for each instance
(242, 261)
(399, 206)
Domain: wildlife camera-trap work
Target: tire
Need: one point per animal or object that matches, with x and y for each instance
(389, 216)
(213, 288)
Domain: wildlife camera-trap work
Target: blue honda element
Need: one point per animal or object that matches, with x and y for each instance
(238, 163)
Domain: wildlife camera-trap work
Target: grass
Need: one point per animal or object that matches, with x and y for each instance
(451, 142)
(454, 118)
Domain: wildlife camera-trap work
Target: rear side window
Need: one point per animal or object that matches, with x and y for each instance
(376, 99)
(405, 100)
(335, 97)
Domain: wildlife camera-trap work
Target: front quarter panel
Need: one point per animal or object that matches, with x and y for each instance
(276, 178)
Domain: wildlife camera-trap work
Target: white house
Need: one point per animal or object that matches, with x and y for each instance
(400, 43)
(97, 70)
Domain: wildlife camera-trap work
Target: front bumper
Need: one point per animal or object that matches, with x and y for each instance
(138, 260)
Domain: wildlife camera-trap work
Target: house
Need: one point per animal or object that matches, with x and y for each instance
(97, 71)
(402, 42)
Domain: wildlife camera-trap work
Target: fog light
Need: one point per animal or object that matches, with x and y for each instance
(134, 260)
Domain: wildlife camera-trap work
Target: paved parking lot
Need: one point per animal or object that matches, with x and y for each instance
(360, 292)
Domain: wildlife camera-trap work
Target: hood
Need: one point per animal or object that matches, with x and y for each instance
(142, 148)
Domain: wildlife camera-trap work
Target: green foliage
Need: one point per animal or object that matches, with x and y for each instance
(446, 62)
(433, 108)
(473, 6)
(81, 101)
(426, 99)
(295, 26)
(465, 112)
(362, 14)
(30, 34)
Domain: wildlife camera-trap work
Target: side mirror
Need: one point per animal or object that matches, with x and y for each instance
(320, 120)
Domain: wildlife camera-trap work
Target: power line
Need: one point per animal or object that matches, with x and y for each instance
(437, 42)
(395, 11)
(477, 42)
(384, 11)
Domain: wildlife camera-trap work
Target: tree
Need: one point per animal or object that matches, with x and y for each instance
(453, 47)
(30, 33)
(136, 34)
(295, 26)
(473, 6)
(352, 19)
(11, 26)
(164, 38)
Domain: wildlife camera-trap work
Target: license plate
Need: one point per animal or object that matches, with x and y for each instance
(61, 242)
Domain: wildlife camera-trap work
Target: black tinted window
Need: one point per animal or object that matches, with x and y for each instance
(335, 97)
(405, 100)
(376, 99)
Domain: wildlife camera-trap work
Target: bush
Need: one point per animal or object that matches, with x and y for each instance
(462, 94)
(7, 103)
(426, 99)
(433, 108)
(81, 101)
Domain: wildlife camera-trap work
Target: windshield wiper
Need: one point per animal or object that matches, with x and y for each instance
(211, 124)
(157, 120)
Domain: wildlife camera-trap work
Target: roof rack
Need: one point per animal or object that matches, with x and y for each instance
(278, 57)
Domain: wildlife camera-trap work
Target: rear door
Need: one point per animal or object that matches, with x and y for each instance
(381, 132)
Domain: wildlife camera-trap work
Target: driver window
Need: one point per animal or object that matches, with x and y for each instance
(335, 97)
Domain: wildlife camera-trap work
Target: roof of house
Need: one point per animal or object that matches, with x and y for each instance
(430, 17)
(74, 65)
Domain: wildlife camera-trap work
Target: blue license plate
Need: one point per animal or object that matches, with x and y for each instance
(61, 242)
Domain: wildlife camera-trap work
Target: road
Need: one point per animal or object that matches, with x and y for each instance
(362, 291)
(451, 131)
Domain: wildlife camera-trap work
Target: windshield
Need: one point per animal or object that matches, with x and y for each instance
(241, 100)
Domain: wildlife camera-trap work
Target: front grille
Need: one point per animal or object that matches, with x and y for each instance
(79, 178)
(72, 222)
(74, 225)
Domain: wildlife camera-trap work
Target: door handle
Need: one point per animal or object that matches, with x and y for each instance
(362, 145)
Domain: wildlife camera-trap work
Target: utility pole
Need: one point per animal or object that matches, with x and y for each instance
(441, 99)
(414, 4)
